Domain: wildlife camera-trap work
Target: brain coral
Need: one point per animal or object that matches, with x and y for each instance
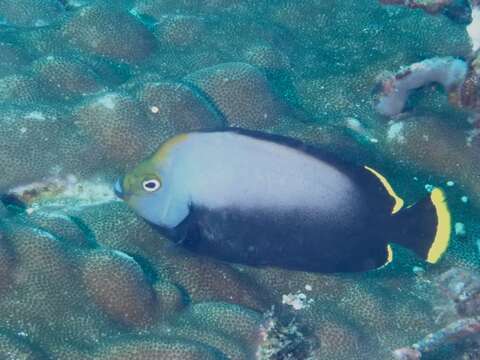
(153, 349)
(179, 31)
(266, 57)
(241, 93)
(66, 79)
(13, 59)
(178, 108)
(30, 12)
(110, 32)
(201, 279)
(83, 278)
(27, 137)
(103, 292)
(158, 8)
(117, 284)
(20, 90)
(14, 346)
(117, 124)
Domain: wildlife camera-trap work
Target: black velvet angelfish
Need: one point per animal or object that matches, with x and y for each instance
(258, 199)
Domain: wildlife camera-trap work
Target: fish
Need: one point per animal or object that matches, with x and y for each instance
(253, 198)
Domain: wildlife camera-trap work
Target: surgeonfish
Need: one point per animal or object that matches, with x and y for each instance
(248, 197)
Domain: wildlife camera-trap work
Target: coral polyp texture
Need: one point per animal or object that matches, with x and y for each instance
(110, 32)
(88, 88)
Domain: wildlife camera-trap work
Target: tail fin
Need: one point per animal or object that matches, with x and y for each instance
(425, 227)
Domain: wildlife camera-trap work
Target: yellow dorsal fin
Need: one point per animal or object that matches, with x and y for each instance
(164, 150)
(398, 200)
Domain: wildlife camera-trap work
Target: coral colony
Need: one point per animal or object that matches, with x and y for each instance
(89, 88)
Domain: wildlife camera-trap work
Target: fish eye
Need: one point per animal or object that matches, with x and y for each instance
(151, 185)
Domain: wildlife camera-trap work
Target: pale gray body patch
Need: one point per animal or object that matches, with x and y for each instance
(221, 170)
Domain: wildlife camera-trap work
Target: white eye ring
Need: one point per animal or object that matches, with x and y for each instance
(151, 185)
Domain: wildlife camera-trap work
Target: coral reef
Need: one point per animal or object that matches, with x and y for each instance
(88, 88)
(178, 108)
(110, 32)
(241, 93)
(462, 288)
(457, 10)
(66, 79)
(394, 89)
(28, 13)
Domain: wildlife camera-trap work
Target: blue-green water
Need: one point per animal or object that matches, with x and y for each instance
(90, 88)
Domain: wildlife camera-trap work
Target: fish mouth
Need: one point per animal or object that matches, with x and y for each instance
(118, 189)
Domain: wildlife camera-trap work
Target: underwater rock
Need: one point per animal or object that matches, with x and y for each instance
(177, 108)
(116, 283)
(110, 32)
(241, 93)
(30, 13)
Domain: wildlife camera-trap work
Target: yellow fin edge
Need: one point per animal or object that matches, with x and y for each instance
(167, 146)
(389, 257)
(398, 200)
(444, 226)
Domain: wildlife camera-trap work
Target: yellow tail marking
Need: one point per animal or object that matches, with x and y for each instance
(389, 257)
(398, 200)
(390, 254)
(444, 226)
(164, 150)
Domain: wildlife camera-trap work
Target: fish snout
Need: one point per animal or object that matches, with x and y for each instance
(118, 188)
